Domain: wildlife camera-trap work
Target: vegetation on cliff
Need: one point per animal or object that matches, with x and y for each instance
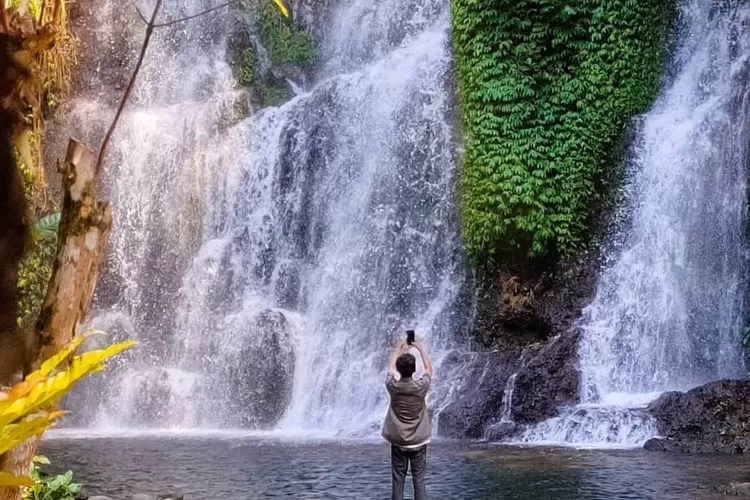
(546, 88)
(287, 45)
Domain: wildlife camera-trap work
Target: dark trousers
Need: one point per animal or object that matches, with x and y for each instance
(400, 460)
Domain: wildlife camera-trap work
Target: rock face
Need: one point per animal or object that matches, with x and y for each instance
(479, 400)
(549, 380)
(517, 311)
(713, 418)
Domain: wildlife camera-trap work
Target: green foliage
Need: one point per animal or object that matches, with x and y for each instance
(284, 43)
(48, 225)
(36, 269)
(47, 487)
(546, 88)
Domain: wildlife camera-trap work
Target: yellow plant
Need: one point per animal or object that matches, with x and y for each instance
(28, 408)
(282, 7)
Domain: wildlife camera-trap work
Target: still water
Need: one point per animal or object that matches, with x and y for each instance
(229, 467)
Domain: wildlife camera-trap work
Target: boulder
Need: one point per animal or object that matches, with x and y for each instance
(548, 381)
(259, 375)
(478, 401)
(713, 418)
(503, 431)
(737, 490)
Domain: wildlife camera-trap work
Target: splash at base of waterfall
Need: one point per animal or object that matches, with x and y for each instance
(593, 426)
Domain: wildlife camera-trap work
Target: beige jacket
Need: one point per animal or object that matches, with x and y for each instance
(407, 422)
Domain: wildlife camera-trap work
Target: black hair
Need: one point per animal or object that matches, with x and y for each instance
(406, 365)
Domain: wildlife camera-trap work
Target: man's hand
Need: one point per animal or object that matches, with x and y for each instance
(425, 359)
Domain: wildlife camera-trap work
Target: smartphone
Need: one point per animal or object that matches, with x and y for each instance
(409, 337)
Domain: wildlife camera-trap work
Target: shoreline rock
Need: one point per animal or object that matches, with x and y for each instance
(480, 399)
(712, 418)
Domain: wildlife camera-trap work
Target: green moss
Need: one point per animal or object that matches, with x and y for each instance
(273, 96)
(244, 66)
(284, 43)
(546, 88)
(33, 277)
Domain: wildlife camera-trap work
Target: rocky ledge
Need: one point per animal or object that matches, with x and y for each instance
(713, 418)
(547, 378)
(139, 496)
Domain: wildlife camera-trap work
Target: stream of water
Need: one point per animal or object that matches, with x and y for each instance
(668, 311)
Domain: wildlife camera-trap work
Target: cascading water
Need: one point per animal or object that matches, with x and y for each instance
(668, 310)
(267, 266)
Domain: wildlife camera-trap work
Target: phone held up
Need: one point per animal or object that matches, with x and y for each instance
(409, 337)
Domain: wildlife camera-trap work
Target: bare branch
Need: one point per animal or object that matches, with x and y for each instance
(208, 11)
(4, 17)
(140, 14)
(128, 89)
(42, 10)
(57, 12)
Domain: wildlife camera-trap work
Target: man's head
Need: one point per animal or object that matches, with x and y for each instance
(406, 365)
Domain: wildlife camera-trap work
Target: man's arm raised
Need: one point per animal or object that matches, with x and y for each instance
(425, 359)
(396, 353)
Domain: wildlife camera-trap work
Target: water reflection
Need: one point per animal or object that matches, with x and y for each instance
(234, 468)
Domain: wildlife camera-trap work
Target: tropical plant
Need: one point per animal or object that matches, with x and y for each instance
(48, 225)
(547, 87)
(46, 487)
(28, 408)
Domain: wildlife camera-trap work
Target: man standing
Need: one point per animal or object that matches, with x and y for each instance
(407, 426)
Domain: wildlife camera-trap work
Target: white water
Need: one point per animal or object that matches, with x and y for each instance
(668, 309)
(267, 266)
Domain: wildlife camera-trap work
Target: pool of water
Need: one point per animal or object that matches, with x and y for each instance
(231, 467)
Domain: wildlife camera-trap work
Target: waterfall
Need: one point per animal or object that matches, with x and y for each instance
(668, 311)
(266, 266)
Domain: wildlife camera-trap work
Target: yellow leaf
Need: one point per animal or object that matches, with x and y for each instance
(11, 480)
(48, 392)
(282, 7)
(55, 361)
(14, 434)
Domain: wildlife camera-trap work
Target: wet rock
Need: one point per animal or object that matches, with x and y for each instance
(479, 399)
(548, 381)
(98, 497)
(736, 489)
(518, 309)
(141, 496)
(502, 431)
(259, 375)
(713, 418)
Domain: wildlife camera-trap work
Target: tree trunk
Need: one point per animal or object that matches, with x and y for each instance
(84, 230)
